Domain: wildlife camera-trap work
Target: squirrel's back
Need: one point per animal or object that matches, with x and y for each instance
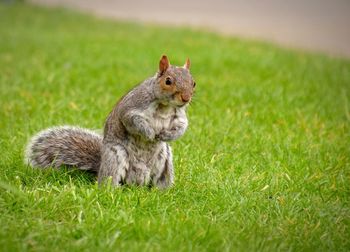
(65, 145)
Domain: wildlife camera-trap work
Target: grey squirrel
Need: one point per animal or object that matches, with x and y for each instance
(133, 148)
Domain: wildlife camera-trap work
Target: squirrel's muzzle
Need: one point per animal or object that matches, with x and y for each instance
(185, 97)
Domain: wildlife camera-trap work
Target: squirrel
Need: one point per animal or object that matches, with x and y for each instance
(134, 147)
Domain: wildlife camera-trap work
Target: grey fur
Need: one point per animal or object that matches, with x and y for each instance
(133, 149)
(65, 145)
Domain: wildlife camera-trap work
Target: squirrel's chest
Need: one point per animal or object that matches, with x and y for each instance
(158, 116)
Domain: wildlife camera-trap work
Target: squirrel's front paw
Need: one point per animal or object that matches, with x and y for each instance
(165, 135)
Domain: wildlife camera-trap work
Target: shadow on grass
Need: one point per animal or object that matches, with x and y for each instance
(57, 176)
(67, 175)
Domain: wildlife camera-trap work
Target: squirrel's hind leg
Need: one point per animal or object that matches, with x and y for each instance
(163, 176)
(138, 174)
(114, 163)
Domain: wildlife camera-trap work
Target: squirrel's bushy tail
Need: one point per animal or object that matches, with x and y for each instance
(65, 145)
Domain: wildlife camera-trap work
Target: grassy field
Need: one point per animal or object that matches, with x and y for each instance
(264, 165)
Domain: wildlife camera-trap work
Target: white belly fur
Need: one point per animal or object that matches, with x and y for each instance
(159, 117)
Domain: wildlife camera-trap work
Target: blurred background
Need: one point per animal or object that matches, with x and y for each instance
(264, 165)
(316, 25)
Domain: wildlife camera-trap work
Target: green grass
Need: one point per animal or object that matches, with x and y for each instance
(264, 165)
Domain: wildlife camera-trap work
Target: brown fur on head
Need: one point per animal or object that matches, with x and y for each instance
(176, 83)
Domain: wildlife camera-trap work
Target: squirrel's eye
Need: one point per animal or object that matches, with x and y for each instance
(168, 81)
(194, 84)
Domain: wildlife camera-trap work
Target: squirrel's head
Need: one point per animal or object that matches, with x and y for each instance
(175, 85)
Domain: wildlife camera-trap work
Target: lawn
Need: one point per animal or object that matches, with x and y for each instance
(264, 165)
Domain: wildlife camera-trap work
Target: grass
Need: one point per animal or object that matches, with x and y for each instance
(264, 165)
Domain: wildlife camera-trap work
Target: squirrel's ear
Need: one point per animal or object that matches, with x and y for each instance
(187, 64)
(163, 64)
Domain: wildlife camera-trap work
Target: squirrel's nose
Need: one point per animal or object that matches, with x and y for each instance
(185, 97)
